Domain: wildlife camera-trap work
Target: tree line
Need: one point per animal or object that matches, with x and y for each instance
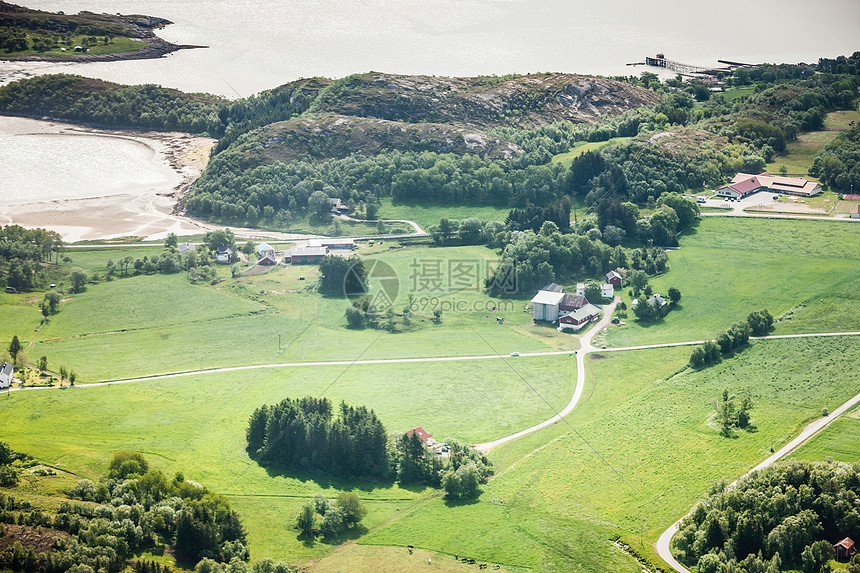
(786, 517)
(21, 252)
(134, 510)
(710, 352)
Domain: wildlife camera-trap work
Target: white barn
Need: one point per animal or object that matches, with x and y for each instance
(545, 305)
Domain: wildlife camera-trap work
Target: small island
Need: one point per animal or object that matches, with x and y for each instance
(35, 35)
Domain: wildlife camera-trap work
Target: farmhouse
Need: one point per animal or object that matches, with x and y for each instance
(655, 300)
(425, 436)
(222, 255)
(302, 255)
(545, 305)
(744, 185)
(265, 248)
(338, 207)
(577, 318)
(580, 289)
(6, 375)
(332, 243)
(613, 278)
(845, 549)
(184, 248)
(607, 290)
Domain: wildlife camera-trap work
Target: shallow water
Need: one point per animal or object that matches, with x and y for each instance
(260, 44)
(47, 167)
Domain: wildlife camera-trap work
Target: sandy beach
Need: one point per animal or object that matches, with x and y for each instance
(148, 212)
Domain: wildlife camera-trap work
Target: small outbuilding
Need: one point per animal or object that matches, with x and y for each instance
(845, 549)
(6, 375)
(613, 278)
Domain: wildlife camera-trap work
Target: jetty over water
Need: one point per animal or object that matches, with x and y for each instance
(662, 62)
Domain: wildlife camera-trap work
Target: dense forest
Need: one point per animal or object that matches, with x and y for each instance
(786, 517)
(134, 510)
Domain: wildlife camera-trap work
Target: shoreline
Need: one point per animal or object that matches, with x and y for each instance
(151, 213)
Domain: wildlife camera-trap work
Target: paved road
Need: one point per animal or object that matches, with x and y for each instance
(664, 543)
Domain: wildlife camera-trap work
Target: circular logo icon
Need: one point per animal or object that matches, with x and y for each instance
(372, 285)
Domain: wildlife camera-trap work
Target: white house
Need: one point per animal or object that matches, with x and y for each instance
(546, 305)
(222, 255)
(6, 375)
(580, 289)
(184, 248)
(607, 290)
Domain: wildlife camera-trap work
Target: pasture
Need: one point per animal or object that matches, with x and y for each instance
(799, 154)
(157, 324)
(429, 215)
(802, 271)
(639, 451)
(840, 441)
(196, 425)
(567, 157)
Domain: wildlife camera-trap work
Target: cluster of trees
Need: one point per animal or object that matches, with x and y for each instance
(21, 252)
(758, 323)
(733, 411)
(340, 276)
(530, 260)
(322, 516)
(785, 517)
(305, 435)
(645, 310)
(460, 474)
(837, 164)
(132, 514)
(8, 474)
(470, 231)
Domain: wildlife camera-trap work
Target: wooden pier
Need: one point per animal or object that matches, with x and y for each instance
(662, 62)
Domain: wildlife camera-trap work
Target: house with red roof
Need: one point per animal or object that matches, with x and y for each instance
(425, 436)
(745, 184)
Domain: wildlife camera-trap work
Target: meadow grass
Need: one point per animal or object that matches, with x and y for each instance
(429, 215)
(197, 425)
(639, 451)
(158, 324)
(735, 93)
(567, 157)
(799, 154)
(840, 441)
(116, 45)
(729, 267)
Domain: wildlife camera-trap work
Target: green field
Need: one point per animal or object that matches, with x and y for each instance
(428, 215)
(841, 441)
(158, 324)
(117, 44)
(196, 425)
(729, 267)
(799, 154)
(641, 449)
(735, 93)
(567, 157)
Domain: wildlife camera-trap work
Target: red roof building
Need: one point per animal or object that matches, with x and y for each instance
(845, 548)
(422, 433)
(572, 302)
(744, 184)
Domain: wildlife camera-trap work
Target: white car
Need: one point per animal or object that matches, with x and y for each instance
(515, 353)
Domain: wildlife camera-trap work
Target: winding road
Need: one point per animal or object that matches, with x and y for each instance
(663, 544)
